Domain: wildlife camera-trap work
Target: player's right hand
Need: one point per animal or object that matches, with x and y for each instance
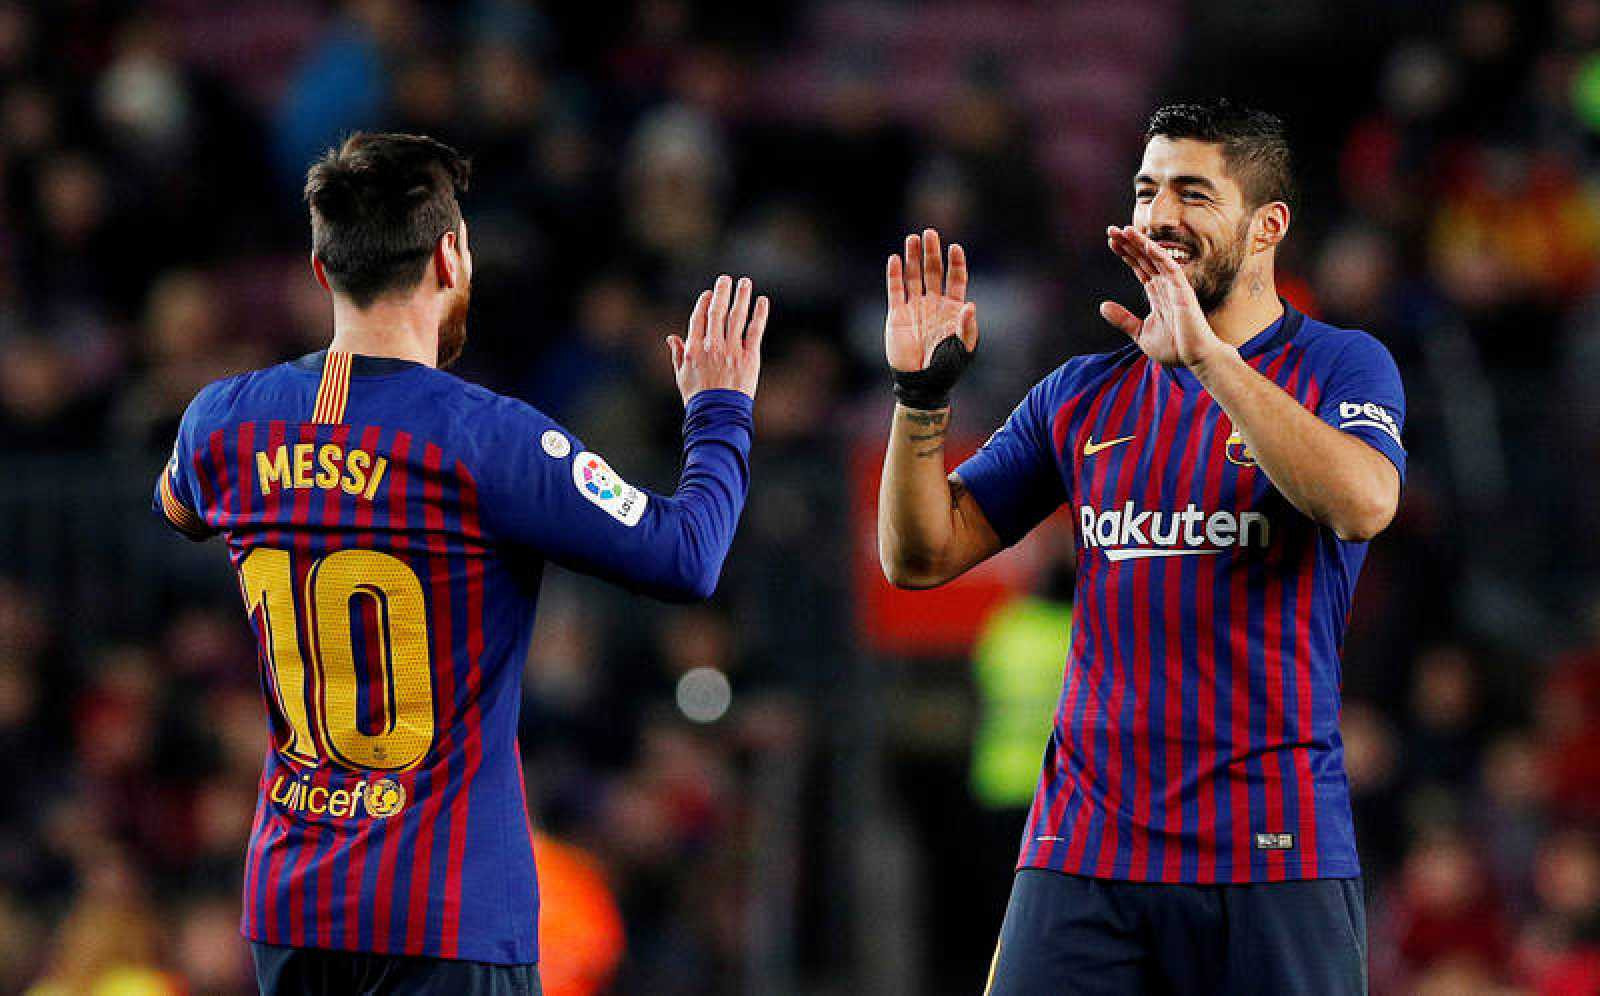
(925, 308)
(721, 349)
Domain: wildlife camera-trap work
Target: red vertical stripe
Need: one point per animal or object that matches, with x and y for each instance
(440, 617)
(252, 871)
(1169, 405)
(460, 806)
(1205, 622)
(331, 517)
(1127, 382)
(389, 850)
(306, 831)
(1243, 751)
(246, 490)
(1045, 812)
(1305, 666)
(219, 501)
(1070, 444)
(269, 839)
(358, 843)
(1272, 657)
(1117, 577)
(272, 512)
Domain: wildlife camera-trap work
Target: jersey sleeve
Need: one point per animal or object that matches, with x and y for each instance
(1014, 477)
(176, 498)
(1362, 395)
(545, 492)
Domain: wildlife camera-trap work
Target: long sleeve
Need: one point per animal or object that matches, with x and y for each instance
(544, 491)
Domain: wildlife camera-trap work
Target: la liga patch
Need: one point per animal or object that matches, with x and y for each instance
(600, 484)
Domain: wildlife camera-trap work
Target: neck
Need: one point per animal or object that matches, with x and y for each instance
(1251, 306)
(403, 328)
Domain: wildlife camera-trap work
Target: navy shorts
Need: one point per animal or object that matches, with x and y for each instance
(283, 971)
(1065, 934)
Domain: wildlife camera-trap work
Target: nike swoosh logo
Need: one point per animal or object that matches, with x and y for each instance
(1090, 447)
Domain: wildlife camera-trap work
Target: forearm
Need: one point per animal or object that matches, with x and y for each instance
(916, 525)
(704, 511)
(1330, 476)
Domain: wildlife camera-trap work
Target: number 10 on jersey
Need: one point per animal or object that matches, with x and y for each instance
(319, 702)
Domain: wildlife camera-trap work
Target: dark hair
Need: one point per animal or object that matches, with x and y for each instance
(379, 202)
(1254, 146)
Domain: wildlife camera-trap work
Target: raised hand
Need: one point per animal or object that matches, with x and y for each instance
(1176, 332)
(927, 305)
(721, 350)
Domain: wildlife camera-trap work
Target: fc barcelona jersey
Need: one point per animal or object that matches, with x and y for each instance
(1196, 738)
(389, 523)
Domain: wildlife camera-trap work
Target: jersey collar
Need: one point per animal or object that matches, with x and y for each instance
(1285, 328)
(1274, 335)
(360, 365)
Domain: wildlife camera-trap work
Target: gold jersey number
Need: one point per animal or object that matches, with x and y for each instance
(335, 586)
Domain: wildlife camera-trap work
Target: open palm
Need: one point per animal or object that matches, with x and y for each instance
(926, 304)
(1176, 332)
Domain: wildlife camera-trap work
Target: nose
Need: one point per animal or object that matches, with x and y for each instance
(1165, 212)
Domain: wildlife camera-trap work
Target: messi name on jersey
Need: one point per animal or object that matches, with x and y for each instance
(356, 472)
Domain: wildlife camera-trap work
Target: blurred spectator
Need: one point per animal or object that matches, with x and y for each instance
(1442, 911)
(152, 239)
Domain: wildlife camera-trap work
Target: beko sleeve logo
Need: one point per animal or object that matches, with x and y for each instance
(1366, 414)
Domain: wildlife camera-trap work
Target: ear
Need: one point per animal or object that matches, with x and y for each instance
(447, 260)
(1272, 225)
(322, 276)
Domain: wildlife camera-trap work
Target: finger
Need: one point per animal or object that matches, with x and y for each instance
(675, 347)
(932, 264)
(1121, 319)
(894, 279)
(1126, 251)
(914, 264)
(717, 322)
(697, 321)
(758, 328)
(741, 310)
(969, 326)
(958, 272)
(1159, 259)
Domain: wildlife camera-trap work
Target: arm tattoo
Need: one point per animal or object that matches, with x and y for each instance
(957, 489)
(936, 425)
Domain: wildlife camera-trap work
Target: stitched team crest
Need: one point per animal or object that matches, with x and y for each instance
(1238, 453)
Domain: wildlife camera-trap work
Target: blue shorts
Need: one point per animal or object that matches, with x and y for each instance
(284, 971)
(1065, 934)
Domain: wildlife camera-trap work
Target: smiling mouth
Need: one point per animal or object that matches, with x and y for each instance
(1179, 253)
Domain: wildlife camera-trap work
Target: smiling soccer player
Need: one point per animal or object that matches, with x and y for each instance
(389, 523)
(1191, 831)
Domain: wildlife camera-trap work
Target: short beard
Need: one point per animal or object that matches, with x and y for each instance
(1213, 276)
(453, 328)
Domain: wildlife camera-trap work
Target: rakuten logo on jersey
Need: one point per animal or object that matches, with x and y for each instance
(1128, 534)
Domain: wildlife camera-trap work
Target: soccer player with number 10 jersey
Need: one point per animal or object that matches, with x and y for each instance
(389, 524)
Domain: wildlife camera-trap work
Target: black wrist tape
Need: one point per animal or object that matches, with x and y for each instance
(930, 388)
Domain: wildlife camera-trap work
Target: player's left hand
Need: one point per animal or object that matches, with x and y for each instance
(1176, 332)
(722, 348)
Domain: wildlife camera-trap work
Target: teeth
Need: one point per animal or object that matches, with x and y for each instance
(1181, 255)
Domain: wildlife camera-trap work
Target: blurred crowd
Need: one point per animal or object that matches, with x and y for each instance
(152, 239)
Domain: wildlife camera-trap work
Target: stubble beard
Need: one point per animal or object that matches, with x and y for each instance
(1212, 276)
(453, 328)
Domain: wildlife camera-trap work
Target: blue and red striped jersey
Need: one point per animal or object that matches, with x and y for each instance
(389, 524)
(1197, 735)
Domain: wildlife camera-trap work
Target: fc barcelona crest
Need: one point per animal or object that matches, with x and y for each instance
(1238, 452)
